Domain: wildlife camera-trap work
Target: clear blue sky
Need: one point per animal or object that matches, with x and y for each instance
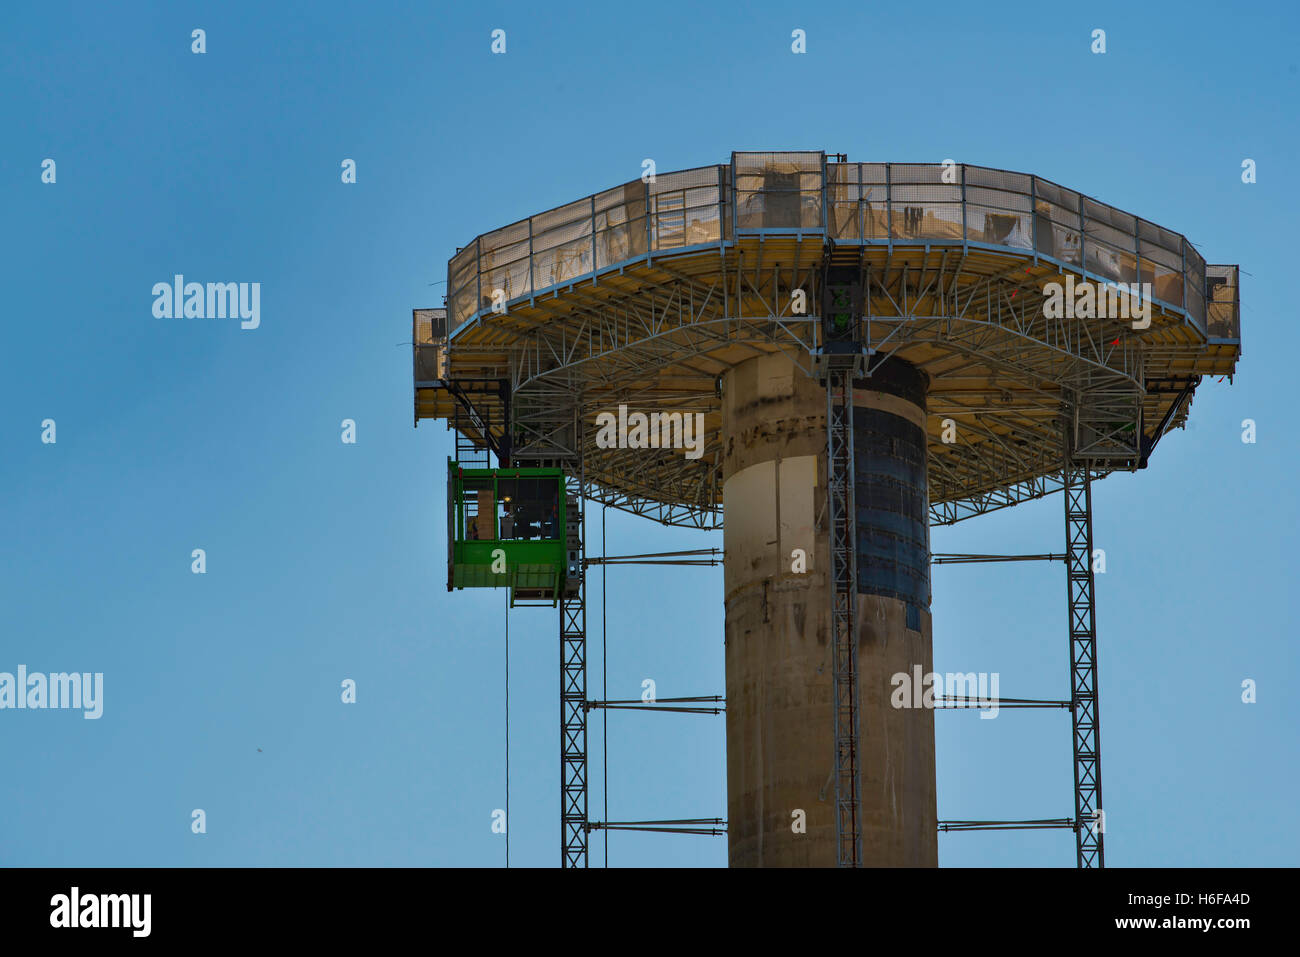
(326, 561)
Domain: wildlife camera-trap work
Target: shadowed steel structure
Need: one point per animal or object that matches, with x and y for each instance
(659, 294)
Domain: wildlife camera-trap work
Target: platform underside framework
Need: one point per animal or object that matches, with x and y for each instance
(1020, 405)
(657, 337)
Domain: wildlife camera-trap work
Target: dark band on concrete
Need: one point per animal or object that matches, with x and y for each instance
(896, 377)
(893, 540)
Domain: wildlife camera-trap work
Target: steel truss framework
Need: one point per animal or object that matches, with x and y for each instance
(1002, 372)
(1089, 819)
(573, 697)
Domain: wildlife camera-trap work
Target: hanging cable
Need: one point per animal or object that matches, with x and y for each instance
(507, 728)
(604, 680)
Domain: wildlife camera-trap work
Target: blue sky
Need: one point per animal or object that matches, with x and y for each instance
(325, 561)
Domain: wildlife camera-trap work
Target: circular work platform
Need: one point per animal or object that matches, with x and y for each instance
(644, 295)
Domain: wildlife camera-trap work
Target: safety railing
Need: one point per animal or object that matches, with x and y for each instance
(895, 204)
(428, 338)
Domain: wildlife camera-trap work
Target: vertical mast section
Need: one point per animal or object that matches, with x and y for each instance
(841, 360)
(842, 516)
(1089, 820)
(573, 680)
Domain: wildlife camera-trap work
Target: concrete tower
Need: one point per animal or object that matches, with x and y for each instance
(778, 654)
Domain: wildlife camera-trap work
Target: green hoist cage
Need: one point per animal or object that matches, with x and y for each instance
(506, 529)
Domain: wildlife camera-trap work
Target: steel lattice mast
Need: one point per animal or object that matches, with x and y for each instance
(1089, 820)
(841, 519)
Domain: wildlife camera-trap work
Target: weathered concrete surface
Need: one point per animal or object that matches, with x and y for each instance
(778, 653)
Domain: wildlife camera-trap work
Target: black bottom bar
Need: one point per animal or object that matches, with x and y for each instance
(973, 909)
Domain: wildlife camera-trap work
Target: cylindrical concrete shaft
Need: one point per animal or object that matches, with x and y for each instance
(780, 692)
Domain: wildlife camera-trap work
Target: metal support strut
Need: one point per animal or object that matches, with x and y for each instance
(1089, 820)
